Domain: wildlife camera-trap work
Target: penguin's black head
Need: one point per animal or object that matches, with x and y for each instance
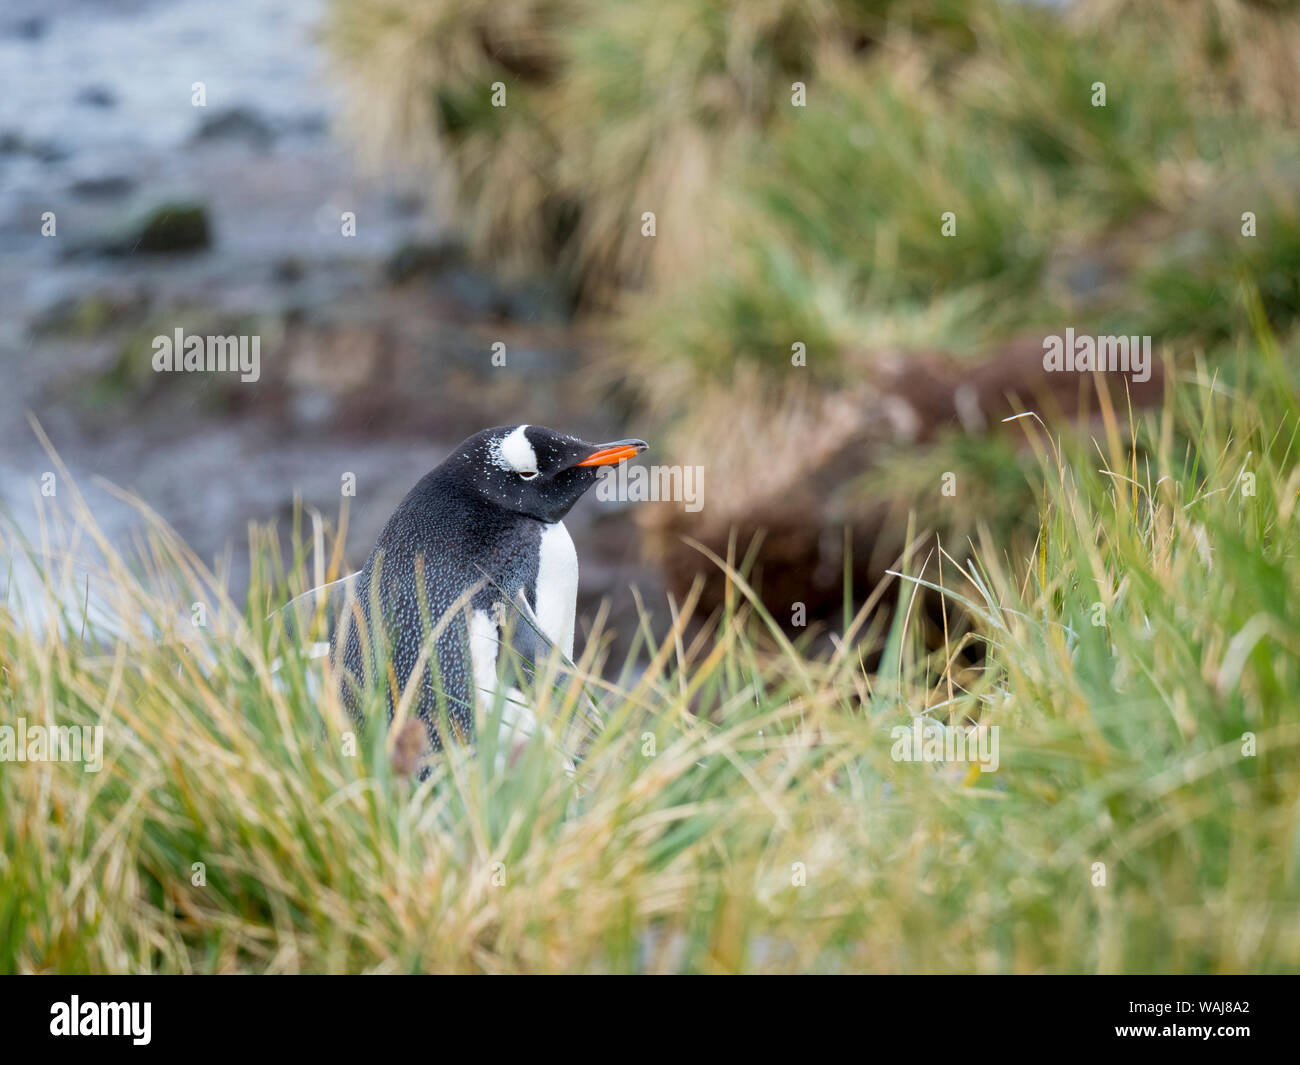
(532, 470)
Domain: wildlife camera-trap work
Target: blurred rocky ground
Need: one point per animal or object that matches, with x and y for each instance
(222, 219)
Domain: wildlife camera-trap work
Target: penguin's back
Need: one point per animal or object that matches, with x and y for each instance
(441, 551)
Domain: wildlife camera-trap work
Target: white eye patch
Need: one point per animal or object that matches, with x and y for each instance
(513, 452)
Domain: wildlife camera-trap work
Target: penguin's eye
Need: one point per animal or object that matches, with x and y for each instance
(527, 475)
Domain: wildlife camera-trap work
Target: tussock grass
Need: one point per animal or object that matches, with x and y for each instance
(767, 213)
(595, 128)
(730, 759)
(834, 235)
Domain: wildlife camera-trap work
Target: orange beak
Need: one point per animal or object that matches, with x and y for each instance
(612, 454)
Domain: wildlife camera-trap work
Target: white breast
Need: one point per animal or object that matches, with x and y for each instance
(557, 586)
(517, 722)
(557, 602)
(483, 648)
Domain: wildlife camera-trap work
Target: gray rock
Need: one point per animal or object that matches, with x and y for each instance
(413, 259)
(108, 187)
(236, 123)
(97, 96)
(168, 228)
(289, 270)
(47, 151)
(32, 28)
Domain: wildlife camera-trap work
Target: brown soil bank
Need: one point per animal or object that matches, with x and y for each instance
(802, 484)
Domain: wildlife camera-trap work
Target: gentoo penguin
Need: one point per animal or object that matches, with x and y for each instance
(478, 545)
